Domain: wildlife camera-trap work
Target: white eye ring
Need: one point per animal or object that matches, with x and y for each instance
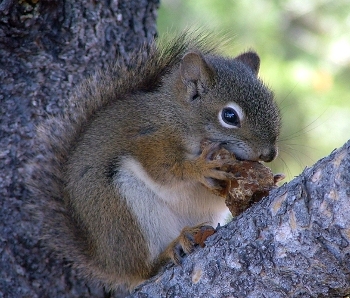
(235, 116)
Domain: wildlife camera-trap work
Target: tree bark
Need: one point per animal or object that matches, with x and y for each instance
(294, 243)
(46, 47)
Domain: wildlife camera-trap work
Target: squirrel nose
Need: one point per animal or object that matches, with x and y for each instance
(269, 154)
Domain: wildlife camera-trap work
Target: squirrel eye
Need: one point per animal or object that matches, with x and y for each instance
(230, 117)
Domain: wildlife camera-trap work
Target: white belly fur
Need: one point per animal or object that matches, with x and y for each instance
(164, 210)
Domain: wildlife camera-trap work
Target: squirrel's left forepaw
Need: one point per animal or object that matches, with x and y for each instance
(189, 238)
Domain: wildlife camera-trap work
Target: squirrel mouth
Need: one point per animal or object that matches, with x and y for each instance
(227, 145)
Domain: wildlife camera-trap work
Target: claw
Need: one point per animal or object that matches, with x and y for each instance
(222, 175)
(212, 184)
(178, 254)
(209, 150)
(184, 244)
(210, 171)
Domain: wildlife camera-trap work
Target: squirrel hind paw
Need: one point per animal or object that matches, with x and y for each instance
(185, 243)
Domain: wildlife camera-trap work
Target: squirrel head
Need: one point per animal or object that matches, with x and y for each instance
(229, 104)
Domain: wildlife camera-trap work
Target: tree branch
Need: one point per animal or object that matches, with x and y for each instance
(294, 243)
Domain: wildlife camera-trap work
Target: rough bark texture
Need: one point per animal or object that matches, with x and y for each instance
(295, 243)
(46, 47)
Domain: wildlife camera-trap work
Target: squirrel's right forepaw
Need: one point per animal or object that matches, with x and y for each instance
(210, 169)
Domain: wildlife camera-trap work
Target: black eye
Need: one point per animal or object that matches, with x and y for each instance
(230, 117)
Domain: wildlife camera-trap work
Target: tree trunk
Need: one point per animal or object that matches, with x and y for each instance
(46, 47)
(295, 243)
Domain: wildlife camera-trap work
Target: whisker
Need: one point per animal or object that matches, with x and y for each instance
(289, 93)
(305, 129)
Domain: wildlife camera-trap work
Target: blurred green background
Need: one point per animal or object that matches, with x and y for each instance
(304, 48)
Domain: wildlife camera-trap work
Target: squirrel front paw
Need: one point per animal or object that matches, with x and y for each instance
(189, 238)
(208, 168)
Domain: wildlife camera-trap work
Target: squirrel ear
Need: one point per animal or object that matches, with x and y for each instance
(194, 68)
(250, 59)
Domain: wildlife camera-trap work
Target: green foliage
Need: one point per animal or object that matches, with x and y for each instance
(305, 51)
